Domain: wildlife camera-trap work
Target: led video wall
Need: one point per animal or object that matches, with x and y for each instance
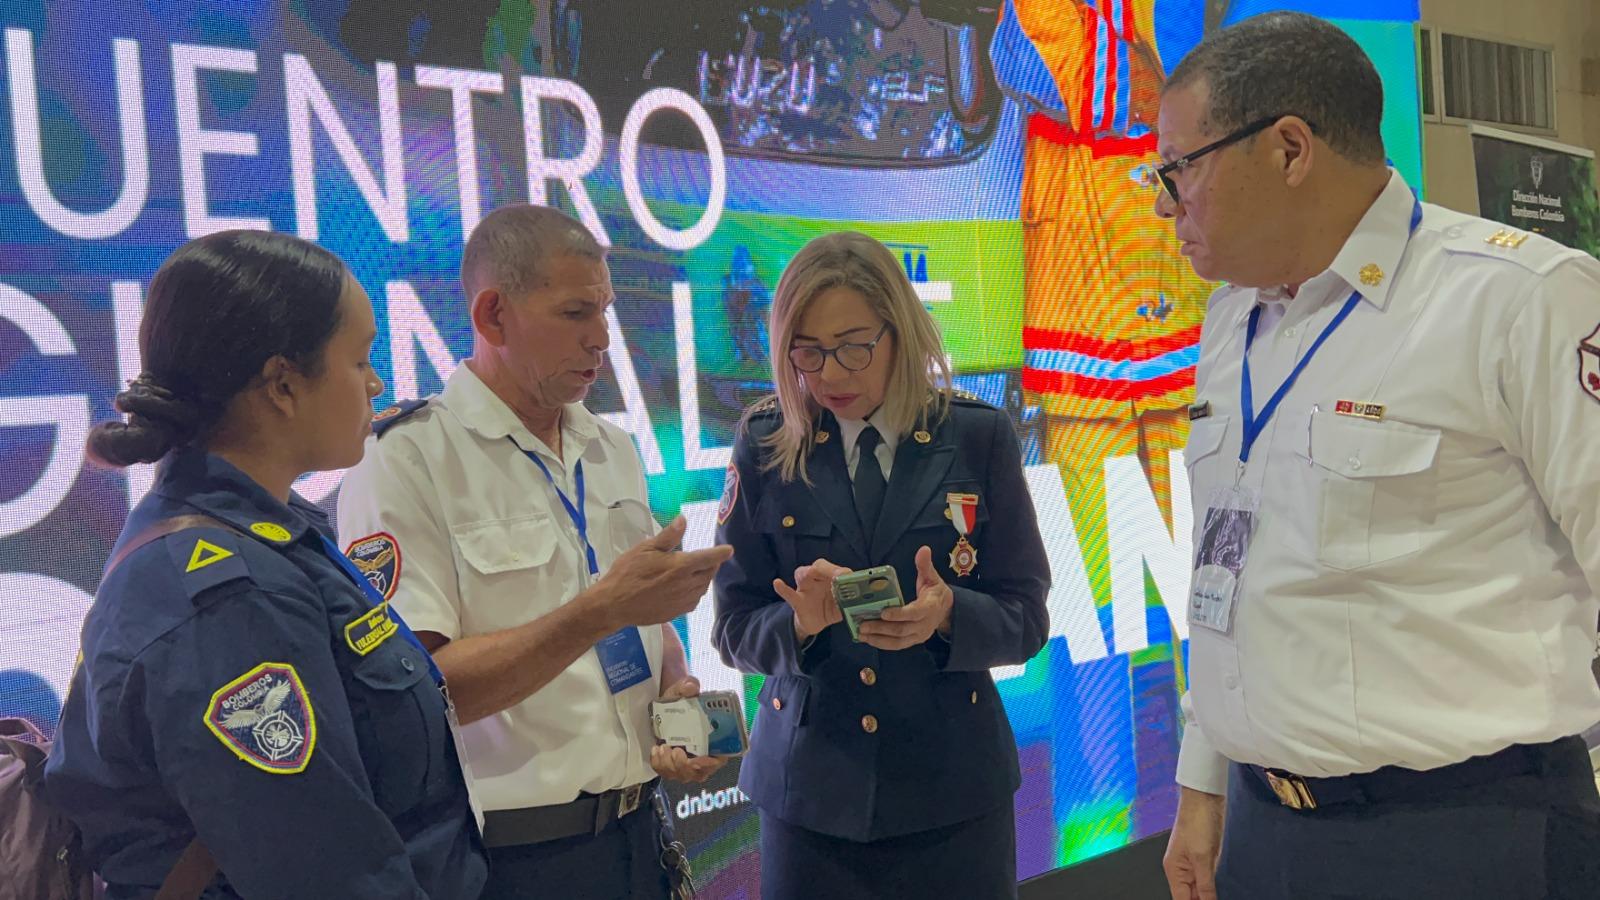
(995, 145)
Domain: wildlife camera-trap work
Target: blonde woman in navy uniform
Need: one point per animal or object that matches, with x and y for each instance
(883, 768)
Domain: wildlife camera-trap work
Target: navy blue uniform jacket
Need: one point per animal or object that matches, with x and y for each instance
(941, 750)
(230, 687)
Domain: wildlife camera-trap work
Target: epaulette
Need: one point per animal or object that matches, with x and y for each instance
(967, 398)
(1483, 238)
(206, 557)
(762, 416)
(396, 414)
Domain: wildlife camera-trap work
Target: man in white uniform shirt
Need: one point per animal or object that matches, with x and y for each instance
(511, 528)
(1396, 447)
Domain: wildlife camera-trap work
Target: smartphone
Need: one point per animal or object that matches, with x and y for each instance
(723, 711)
(863, 596)
(711, 724)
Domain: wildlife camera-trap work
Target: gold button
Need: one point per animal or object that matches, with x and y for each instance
(974, 697)
(822, 437)
(922, 437)
(788, 521)
(869, 724)
(777, 703)
(947, 512)
(869, 677)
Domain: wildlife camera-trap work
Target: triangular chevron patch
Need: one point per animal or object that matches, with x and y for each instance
(205, 553)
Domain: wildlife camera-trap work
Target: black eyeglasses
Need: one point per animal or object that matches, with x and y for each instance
(810, 358)
(1161, 176)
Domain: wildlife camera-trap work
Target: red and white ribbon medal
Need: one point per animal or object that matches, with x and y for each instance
(964, 516)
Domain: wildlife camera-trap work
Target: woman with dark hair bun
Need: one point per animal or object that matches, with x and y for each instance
(249, 719)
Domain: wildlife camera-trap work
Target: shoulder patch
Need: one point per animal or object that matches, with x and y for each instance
(206, 557)
(1589, 364)
(396, 414)
(378, 558)
(1484, 238)
(265, 717)
(730, 494)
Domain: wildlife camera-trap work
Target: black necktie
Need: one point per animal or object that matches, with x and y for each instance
(869, 483)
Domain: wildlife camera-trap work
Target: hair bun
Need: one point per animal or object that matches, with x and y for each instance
(158, 421)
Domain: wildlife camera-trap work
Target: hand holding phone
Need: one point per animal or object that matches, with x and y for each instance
(710, 724)
(863, 596)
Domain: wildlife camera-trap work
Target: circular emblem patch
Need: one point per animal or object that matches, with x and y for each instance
(272, 531)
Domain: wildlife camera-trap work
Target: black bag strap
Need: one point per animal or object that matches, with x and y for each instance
(158, 530)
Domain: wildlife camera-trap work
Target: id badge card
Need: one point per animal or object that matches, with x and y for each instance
(622, 655)
(1230, 523)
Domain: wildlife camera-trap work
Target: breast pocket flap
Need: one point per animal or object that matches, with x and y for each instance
(792, 518)
(1359, 449)
(505, 545)
(1205, 438)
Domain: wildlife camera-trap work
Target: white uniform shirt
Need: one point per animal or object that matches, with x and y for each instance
(850, 431)
(1420, 589)
(485, 545)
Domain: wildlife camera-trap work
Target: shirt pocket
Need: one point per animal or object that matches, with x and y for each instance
(510, 565)
(399, 718)
(1379, 488)
(1201, 457)
(627, 522)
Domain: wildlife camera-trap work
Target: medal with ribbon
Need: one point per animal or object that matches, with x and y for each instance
(964, 516)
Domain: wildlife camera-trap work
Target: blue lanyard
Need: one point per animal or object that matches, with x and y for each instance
(331, 550)
(580, 518)
(1253, 426)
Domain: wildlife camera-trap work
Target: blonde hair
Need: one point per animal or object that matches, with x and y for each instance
(919, 384)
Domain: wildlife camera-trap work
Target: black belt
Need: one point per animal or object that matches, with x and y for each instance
(1394, 783)
(589, 815)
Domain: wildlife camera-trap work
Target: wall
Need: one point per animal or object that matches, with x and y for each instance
(1571, 27)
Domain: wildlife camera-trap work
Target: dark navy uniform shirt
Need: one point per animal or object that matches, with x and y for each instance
(235, 683)
(860, 743)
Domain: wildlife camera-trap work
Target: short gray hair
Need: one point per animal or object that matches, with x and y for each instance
(509, 248)
(1288, 63)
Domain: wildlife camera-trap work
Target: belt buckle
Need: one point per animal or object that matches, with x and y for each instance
(1291, 791)
(628, 799)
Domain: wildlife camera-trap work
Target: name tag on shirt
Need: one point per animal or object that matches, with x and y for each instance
(1230, 523)
(623, 657)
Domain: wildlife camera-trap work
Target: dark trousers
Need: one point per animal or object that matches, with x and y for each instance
(620, 863)
(1526, 837)
(972, 860)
